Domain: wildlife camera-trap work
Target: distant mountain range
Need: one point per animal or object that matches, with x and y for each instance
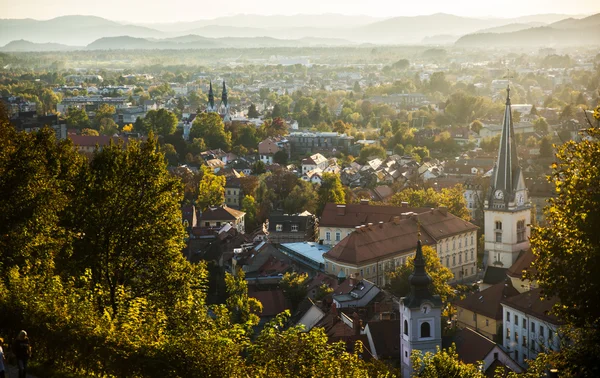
(176, 43)
(568, 32)
(90, 32)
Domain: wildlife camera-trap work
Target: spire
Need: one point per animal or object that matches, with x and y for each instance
(419, 280)
(224, 95)
(211, 98)
(506, 167)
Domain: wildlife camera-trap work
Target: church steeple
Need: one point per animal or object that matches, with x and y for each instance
(211, 99)
(506, 169)
(419, 280)
(224, 95)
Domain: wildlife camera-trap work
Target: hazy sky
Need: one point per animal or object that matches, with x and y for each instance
(189, 10)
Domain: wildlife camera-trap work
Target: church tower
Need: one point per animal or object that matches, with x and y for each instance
(224, 107)
(507, 210)
(420, 315)
(211, 100)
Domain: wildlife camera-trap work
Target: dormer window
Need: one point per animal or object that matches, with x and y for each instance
(279, 227)
(294, 228)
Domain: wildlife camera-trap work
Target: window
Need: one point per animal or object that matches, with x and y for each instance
(460, 258)
(516, 337)
(328, 236)
(454, 260)
(516, 319)
(279, 228)
(520, 231)
(498, 225)
(338, 236)
(498, 237)
(447, 260)
(368, 269)
(206, 224)
(508, 334)
(425, 329)
(294, 228)
(218, 224)
(517, 355)
(471, 239)
(405, 327)
(472, 258)
(533, 327)
(550, 335)
(524, 323)
(508, 316)
(542, 331)
(525, 341)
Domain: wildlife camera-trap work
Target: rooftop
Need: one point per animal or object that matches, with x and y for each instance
(352, 215)
(221, 213)
(312, 250)
(487, 302)
(531, 303)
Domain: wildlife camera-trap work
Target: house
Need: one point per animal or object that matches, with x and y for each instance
(310, 316)
(529, 327)
(291, 228)
(307, 142)
(373, 249)
(88, 143)
(482, 311)
(233, 191)
(337, 221)
(355, 292)
(313, 162)
(270, 146)
(216, 217)
(309, 254)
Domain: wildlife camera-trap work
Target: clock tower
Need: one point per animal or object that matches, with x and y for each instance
(507, 210)
(420, 315)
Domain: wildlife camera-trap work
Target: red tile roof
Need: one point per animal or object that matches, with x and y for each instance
(386, 338)
(472, 346)
(383, 240)
(273, 301)
(522, 264)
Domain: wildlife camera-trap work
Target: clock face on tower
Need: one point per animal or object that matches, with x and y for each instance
(520, 199)
(425, 309)
(499, 194)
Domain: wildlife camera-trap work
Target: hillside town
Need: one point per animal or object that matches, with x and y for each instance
(390, 204)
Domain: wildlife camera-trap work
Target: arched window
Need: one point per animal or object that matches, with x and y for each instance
(405, 327)
(425, 329)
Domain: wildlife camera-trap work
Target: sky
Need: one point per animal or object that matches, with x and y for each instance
(149, 11)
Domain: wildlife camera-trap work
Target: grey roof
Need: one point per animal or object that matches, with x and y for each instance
(494, 275)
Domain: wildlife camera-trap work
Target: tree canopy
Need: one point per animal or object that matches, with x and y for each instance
(452, 198)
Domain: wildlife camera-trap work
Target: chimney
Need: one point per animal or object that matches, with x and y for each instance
(443, 210)
(333, 308)
(364, 201)
(404, 204)
(341, 209)
(380, 224)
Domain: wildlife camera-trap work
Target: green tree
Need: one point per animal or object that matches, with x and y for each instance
(368, 152)
(280, 157)
(171, 155)
(476, 126)
(161, 122)
(443, 363)
(259, 167)
(36, 172)
(331, 190)
(402, 64)
(249, 207)
(452, 198)
(295, 288)
(77, 119)
(302, 198)
(315, 113)
(49, 100)
(252, 112)
(104, 111)
(541, 126)
(211, 189)
(108, 127)
(341, 127)
(90, 132)
(440, 276)
(127, 215)
(546, 149)
(243, 309)
(210, 127)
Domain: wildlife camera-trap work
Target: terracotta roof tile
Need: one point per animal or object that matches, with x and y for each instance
(359, 214)
(523, 263)
(530, 302)
(382, 240)
(221, 213)
(386, 338)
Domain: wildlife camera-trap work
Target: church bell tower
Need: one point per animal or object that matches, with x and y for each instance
(420, 315)
(507, 210)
